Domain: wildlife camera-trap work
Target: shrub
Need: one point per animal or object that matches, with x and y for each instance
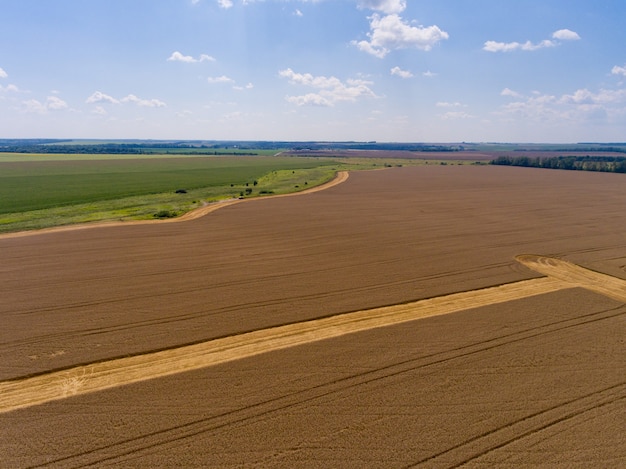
(166, 214)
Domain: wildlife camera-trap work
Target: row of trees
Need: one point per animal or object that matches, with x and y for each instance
(610, 164)
(119, 148)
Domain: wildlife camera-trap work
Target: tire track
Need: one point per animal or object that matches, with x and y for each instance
(27, 392)
(119, 451)
(512, 432)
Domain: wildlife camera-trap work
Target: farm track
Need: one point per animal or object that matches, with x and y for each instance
(457, 455)
(36, 390)
(566, 271)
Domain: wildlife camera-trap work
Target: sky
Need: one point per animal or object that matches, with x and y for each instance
(325, 70)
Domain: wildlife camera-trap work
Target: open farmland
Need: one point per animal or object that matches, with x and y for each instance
(39, 183)
(39, 191)
(529, 373)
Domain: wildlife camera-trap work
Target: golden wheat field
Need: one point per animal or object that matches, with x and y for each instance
(428, 316)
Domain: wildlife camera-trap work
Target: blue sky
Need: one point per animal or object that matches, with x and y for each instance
(384, 70)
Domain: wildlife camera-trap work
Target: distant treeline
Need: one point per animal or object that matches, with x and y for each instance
(609, 164)
(120, 148)
(194, 147)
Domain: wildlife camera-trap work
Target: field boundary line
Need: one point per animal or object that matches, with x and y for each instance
(27, 392)
(199, 212)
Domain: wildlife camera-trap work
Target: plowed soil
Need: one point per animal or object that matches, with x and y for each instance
(536, 378)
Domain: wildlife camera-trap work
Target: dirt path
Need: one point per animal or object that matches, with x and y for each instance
(95, 377)
(340, 177)
(98, 376)
(612, 287)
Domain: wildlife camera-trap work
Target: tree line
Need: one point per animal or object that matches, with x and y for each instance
(609, 164)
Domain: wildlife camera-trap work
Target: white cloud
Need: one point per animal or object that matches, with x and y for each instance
(52, 103)
(603, 97)
(619, 70)
(457, 115)
(249, 86)
(493, 46)
(178, 57)
(32, 105)
(99, 97)
(565, 35)
(131, 98)
(580, 106)
(386, 6)
(10, 88)
(401, 73)
(222, 79)
(562, 35)
(390, 32)
(55, 103)
(510, 92)
(225, 3)
(99, 110)
(429, 74)
(331, 89)
(3, 74)
(446, 104)
(298, 13)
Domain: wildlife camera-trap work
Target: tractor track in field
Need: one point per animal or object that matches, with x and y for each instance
(26, 392)
(462, 453)
(35, 390)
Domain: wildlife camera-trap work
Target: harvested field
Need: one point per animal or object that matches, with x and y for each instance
(535, 379)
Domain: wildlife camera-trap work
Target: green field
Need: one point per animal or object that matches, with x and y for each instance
(39, 191)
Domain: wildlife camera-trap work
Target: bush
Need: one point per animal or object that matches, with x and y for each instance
(166, 214)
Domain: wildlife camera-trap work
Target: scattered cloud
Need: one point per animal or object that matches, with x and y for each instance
(581, 105)
(386, 6)
(9, 88)
(131, 98)
(55, 103)
(99, 110)
(99, 97)
(222, 79)
(565, 35)
(225, 3)
(391, 32)
(178, 57)
(619, 70)
(3, 74)
(560, 35)
(429, 74)
(330, 89)
(298, 13)
(52, 103)
(249, 86)
(446, 104)
(510, 92)
(401, 73)
(457, 115)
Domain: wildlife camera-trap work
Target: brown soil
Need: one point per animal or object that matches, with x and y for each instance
(537, 380)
